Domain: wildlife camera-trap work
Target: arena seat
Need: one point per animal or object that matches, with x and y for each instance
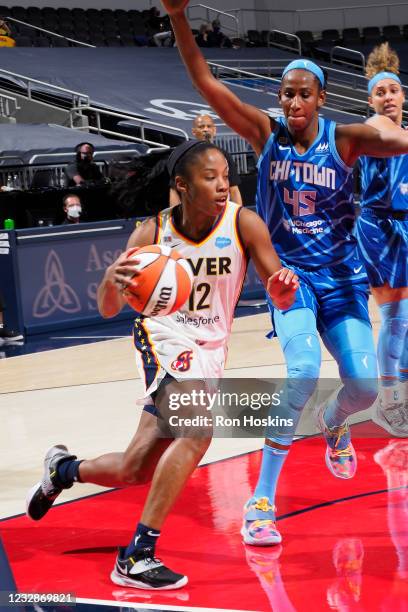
(42, 41)
(60, 42)
(254, 38)
(23, 41)
(331, 36)
(392, 32)
(372, 34)
(351, 36)
(307, 41)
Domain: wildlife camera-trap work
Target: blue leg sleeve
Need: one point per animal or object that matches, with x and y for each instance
(352, 345)
(298, 337)
(394, 326)
(403, 373)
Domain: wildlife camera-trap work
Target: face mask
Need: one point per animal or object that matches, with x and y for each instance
(74, 212)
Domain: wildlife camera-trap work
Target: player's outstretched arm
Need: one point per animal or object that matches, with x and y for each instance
(281, 283)
(117, 276)
(245, 119)
(378, 137)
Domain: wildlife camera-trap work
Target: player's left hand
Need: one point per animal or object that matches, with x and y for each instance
(282, 287)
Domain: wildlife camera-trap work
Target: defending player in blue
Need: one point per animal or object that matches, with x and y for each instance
(382, 232)
(304, 195)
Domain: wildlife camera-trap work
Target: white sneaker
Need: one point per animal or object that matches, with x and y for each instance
(393, 417)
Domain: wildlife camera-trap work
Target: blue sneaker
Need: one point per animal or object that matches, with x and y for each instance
(259, 527)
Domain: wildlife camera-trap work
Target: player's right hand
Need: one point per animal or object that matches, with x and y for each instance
(172, 7)
(282, 287)
(125, 268)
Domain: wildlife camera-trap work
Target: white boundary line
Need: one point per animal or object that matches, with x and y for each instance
(151, 606)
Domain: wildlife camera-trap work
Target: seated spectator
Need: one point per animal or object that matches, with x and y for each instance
(72, 209)
(164, 38)
(6, 40)
(216, 38)
(153, 19)
(84, 168)
(203, 34)
(7, 336)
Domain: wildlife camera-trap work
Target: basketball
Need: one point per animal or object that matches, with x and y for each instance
(164, 284)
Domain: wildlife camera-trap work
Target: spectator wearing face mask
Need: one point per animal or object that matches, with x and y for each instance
(72, 209)
(84, 168)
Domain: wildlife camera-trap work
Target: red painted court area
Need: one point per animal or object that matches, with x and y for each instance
(345, 542)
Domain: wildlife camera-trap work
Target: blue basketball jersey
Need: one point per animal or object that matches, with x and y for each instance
(307, 200)
(384, 182)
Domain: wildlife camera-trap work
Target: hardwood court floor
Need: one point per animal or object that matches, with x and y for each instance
(85, 397)
(345, 542)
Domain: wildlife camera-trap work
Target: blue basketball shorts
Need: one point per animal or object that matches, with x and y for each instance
(334, 294)
(383, 247)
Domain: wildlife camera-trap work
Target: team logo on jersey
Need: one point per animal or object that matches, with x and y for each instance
(322, 147)
(221, 242)
(403, 187)
(283, 140)
(182, 362)
(167, 239)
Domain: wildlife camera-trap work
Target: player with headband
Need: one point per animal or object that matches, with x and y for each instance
(178, 354)
(382, 232)
(305, 196)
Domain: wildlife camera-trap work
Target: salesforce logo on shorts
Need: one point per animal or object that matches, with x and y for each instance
(221, 242)
(196, 321)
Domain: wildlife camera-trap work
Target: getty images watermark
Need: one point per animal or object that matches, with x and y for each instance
(222, 399)
(244, 407)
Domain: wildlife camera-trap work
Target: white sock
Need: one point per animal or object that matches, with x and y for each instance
(390, 394)
(403, 390)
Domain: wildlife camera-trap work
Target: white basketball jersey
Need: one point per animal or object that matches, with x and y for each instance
(219, 265)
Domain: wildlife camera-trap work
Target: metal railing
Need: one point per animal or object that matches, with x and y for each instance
(238, 148)
(295, 16)
(217, 12)
(349, 52)
(282, 36)
(21, 178)
(77, 98)
(36, 174)
(49, 32)
(345, 11)
(264, 65)
(8, 106)
(70, 157)
(141, 124)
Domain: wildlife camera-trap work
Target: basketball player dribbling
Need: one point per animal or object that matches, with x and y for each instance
(305, 196)
(382, 233)
(176, 353)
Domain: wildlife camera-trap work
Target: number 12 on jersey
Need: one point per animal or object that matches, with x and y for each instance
(199, 297)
